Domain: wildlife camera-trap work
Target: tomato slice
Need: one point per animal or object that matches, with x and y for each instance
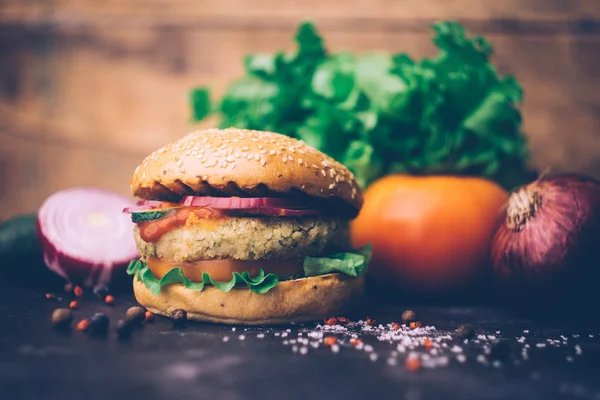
(222, 270)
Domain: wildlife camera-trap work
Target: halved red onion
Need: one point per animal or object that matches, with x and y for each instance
(84, 235)
(244, 203)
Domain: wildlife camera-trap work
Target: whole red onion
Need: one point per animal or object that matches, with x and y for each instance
(547, 240)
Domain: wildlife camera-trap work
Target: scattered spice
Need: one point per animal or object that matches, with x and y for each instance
(101, 291)
(343, 320)
(465, 331)
(99, 324)
(135, 315)
(62, 318)
(124, 328)
(331, 321)
(427, 343)
(395, 326)
(409, 316)
(83, 325)
(50, 296)
(355, 341)
(179, 317)
(370, 321)
(415, 325)
(149, 316)
(74, 305)
(78, 291)
(413, 364)
(330, 340)
(68, 287)
(109, 299)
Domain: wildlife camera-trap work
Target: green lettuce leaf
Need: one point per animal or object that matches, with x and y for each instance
(351, 264)
(261, 283)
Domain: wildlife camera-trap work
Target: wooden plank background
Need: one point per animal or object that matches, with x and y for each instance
(88, 88)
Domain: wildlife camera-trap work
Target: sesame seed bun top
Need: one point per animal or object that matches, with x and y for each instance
(245, 163)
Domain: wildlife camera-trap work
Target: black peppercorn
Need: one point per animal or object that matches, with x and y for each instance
(179, 317)
(135, 315)
(101, 291)
(409, 316)
(465, 331)
(124, 328)
(500, 351)
(62, 318)
(99, 324)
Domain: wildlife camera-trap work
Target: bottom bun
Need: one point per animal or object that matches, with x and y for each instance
(298, 300)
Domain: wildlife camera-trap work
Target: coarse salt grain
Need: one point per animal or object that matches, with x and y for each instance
(284, 334)
(521, 339)
(335, 348)
(233, 329)
(461, 358)
(481, 359)
(314, 344)
(260, 335)
(456, 349)
(242, 337)
(497, 364)
(569, 359)
(526, 331)
(295, 349)
(285, 342)
(303, 350)
(540, 345)
(491, 337)
(373, 356)
(578, 349)
(392, 361)
(368, 348)
(225, 338)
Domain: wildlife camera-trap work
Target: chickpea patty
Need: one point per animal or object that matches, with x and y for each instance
(250, 239)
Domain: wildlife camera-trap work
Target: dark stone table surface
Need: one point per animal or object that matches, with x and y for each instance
(543, 360)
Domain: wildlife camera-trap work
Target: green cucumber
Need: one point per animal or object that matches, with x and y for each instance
(151, 215)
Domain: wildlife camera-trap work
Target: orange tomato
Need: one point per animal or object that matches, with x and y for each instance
(429, 233)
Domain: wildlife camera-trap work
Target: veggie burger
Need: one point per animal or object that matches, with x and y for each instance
(245, 227)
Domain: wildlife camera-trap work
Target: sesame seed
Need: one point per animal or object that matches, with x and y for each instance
(272, 152)
(290, 158)
(300, 161)
(245, 148)
(284, 159)
(323, 173)
(204, 177)
(332, 186)
(292, 150)
(263, 151)
(250, 156)
(256, 157)
(263, 161)
(232, 165)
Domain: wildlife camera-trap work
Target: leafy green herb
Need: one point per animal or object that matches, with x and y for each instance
(382, 113)
(261, 283)
(351, 264)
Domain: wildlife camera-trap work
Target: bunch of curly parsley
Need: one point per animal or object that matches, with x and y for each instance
(383, 113)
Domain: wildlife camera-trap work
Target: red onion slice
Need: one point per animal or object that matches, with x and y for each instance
(243, 203)
(84, 235)
(278, 212)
